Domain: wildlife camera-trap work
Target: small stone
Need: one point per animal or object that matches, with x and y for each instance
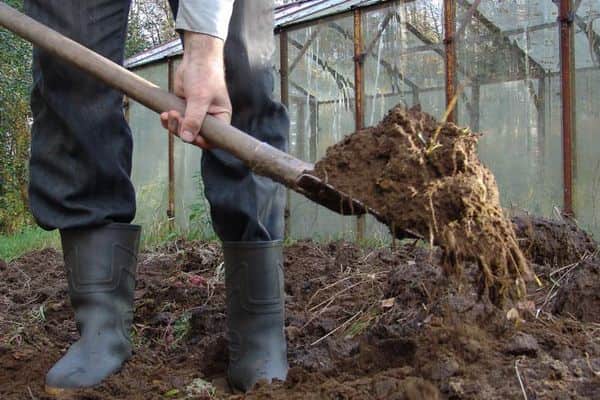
(523, 344)
(419, 389)
(473, 349)
(577, 366)
(292, 332)
(456, 388)
(384, 388)
(559, 370)
(445, 369)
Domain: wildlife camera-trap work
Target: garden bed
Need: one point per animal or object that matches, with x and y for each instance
(362, 323)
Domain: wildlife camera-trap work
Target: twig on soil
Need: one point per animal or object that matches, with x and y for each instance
(27, 277)
(327, 287)
(336, 329)
(336, 295)
(520, 380)
(318, 314)
(369, 278)
(365, 258)
(325, 256)
(556, 283)
(589, 363)
(31, 393)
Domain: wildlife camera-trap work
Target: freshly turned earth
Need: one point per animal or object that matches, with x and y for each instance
(414, 333)
(425, 176)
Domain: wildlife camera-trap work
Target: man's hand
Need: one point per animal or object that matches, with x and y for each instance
(200, 80)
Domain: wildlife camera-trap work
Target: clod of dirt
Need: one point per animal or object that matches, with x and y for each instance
(579, 296)
(425, 176)
(418, 389)
(523, 344)
(3, 265)
(552, 242)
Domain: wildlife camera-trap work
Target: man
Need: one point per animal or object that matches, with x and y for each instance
(80, 179)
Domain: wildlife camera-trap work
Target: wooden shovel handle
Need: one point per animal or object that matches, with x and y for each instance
(262, 158)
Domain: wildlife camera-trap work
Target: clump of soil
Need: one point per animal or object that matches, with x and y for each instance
(425, 176)
(552, 242)
(579, 294)
(566, 260)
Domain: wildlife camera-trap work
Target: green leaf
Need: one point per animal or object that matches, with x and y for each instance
(172, 393)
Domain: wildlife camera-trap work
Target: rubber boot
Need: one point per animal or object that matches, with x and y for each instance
(100, 264)
(255, 312)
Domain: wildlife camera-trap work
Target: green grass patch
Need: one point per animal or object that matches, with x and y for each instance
(29, 239)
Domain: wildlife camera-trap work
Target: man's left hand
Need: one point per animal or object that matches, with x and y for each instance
(200, 80)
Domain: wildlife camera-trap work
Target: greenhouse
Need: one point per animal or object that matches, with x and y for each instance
(523, 73)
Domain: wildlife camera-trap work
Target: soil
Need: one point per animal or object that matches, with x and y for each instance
(425, 176)
(362, 323)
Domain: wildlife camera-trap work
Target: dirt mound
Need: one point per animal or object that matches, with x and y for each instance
(579, 292)
(426, 176)
(362, 323)
(552, 242)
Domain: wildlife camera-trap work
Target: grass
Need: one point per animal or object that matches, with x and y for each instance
(29, 239)
(34, 238)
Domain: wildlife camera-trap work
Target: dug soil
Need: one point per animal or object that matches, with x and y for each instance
(425, 176)
(362, 323)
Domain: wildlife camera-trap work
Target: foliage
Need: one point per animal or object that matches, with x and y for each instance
(150, 24)
(14, 128)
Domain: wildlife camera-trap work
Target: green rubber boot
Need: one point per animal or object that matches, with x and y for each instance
(255, 312)
(100, 264)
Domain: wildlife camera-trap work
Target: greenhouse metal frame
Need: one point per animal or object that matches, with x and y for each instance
(362, 32)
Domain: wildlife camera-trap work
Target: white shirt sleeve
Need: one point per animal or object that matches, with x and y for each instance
(210, 17)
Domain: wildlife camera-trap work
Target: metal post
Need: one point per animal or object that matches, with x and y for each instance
(359, 98)
(171, 150)
(450, 55)
(567, 61)
(541, 120)
(314, 126)
(475, 109)
(301, 128)
(285, 100)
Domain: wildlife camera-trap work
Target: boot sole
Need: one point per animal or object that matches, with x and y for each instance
(61, 394)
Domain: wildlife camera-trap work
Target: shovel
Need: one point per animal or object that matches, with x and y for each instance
(260, 157)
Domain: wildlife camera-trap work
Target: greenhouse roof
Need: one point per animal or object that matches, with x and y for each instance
(285, 15)
(519, 37)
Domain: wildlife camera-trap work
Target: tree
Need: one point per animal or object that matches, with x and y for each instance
(14, 128)
(150, 24)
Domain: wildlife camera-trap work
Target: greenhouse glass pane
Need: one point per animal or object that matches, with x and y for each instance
(150, 171)
(276, 71)
(321, 106)
(587, 118)
(508, 64)
(405, 60)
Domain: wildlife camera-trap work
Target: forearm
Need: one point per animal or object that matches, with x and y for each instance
(200, 47)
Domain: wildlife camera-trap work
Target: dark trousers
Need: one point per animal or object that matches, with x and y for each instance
(81, 146)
